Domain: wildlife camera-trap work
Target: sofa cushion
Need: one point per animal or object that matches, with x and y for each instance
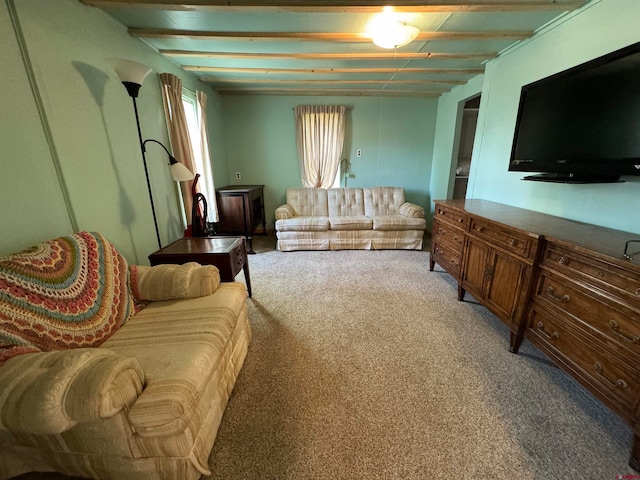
(168, 282)
(68, 292)
(359, 222)
(50, 392)
(410, 210)
(191, 336)
(345, 202)
(303, 224)
(398, 222)
(307, 202)
(383, 201)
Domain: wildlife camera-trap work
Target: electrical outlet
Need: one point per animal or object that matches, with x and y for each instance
(359, 152)
(238, 176)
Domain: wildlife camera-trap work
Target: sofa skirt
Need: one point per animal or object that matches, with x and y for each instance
(350, 240)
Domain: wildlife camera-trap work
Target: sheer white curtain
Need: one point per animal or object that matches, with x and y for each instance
(320, 139)
(178, 132)
(212, 206)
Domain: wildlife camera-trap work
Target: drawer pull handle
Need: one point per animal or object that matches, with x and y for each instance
(480, 229)
(458, 240)
(488, 272)
(461, 220)
(638, 292)
(439, 252)
(620, 383)
(551, 336)
(440, 231)
(563, 260)
(615, 328)
(564, 298)
(513, 242)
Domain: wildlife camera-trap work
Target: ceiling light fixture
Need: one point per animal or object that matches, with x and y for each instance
(394, 34)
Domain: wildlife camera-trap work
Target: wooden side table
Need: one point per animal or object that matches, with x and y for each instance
(241, 209)
(229, 254)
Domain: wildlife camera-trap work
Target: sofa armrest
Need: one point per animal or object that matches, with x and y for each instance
(285, 211)
(50, 392)
(170, 282)
(411, 210)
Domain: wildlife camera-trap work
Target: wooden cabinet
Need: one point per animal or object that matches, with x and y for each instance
(241, 211)
(491, 260)
(496, 279)
(498, 262)
(447, 243)
(564, 285)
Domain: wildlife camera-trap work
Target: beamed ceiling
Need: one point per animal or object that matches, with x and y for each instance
(291, 47)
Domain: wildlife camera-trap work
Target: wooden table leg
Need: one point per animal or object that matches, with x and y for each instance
(247, 277)
(245, 269)
(634, 460)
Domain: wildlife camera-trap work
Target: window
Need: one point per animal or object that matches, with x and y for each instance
(320, 133)
(205, 183)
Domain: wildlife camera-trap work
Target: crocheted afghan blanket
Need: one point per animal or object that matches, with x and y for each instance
(65, 293)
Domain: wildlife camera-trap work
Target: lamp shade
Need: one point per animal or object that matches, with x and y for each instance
(394, 34)
(131, 73)
(179, 172)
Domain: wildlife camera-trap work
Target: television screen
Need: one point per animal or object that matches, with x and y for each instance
(583, 124)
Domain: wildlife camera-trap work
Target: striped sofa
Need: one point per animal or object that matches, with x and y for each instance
(348, 218)
(140, 397)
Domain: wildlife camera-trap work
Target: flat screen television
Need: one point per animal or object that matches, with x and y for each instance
(582, 125)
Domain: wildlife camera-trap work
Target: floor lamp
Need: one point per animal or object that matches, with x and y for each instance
(132, 74)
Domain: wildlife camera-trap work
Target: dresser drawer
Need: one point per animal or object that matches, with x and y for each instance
(510, 240)
(612, 278)
(447, 233)
(618, 327)
(452, 216)
(614, 378)
(447, 257)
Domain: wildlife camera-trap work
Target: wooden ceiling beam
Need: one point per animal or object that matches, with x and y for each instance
(333, 56)
(331, 92)
(228, 81)
(347, 6)
(321, 36)
(337, 71)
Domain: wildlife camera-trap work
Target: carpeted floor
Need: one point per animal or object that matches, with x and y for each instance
(364, 366)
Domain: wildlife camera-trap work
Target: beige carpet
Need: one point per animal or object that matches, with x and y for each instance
(364, 366)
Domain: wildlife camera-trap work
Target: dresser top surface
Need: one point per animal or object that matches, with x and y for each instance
(592, 238)
(239, 188)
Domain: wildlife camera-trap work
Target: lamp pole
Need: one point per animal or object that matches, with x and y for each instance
(146, 171)
(132, 74)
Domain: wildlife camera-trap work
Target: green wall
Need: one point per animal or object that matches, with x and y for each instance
(599, 28)
(73, 158)
(448, 127)
(396, 136)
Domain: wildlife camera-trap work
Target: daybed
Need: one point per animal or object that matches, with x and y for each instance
(113, 371)
(348, 218)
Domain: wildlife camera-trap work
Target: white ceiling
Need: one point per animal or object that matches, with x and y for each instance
(296, 47)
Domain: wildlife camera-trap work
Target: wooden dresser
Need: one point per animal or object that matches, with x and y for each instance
(563, 285)
(241, 211)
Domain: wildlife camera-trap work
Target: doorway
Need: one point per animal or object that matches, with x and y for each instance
(465, 147)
